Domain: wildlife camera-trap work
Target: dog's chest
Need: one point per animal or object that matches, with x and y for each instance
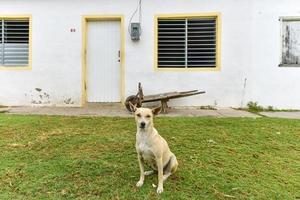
(145, 151)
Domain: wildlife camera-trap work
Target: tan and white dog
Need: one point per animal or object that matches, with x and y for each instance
(152, 149)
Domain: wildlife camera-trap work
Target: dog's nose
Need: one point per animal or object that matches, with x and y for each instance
(143, 124)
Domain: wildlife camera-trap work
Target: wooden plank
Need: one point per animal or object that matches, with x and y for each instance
(170, 95)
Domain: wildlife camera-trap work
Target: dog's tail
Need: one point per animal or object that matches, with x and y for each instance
(174, 164)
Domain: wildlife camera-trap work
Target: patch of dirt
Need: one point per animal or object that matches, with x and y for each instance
(17, 145)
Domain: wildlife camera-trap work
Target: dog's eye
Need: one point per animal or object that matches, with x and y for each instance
(148, 116)
(139, 115)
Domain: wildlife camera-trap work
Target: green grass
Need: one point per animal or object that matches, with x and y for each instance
(255, 108)
(49, 157)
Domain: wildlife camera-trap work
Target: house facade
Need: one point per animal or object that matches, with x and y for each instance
(69, 53)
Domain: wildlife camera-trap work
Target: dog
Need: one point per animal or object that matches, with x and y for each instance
(152, 149)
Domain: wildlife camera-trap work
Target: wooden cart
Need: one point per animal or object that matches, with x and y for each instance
(139, 98)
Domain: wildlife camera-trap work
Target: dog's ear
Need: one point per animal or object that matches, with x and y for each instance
(132, 107)
(156, 110)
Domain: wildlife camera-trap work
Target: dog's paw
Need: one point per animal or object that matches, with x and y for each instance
(147, 173)
(139, 183)
(159, 190)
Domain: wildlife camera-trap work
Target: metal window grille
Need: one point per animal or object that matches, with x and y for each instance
(187, 43)
(14, 42)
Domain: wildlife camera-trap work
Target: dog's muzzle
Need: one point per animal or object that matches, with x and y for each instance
(142, 125)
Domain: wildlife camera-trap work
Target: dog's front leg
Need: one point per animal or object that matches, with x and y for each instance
(142, 174)
(160, 169)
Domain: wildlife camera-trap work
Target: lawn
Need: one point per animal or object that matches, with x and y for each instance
(50, 157)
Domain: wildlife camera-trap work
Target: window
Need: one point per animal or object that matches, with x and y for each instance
(290, 42)
(187, 42)
(14, 42)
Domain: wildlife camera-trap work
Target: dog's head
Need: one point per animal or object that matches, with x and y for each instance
(144, 116)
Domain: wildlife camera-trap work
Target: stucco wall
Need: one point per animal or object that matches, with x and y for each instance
(269, 84)
(250, 52)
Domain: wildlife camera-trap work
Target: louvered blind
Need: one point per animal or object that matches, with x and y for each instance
(1, 43)
(14, 42)
(187, 43)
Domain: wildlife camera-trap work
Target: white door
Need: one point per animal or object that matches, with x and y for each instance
(103, 61)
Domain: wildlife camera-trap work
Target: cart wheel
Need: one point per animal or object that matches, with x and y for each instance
(134, 100)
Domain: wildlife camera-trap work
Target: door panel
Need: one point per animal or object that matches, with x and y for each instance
(103, 62)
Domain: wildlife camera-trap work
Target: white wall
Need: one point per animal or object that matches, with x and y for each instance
(250, 49)
(269, 84)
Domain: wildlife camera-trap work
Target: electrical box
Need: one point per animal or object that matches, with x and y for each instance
(135, 31)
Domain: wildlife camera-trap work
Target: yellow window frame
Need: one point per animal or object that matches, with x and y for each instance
(215, 15)
(29, 66)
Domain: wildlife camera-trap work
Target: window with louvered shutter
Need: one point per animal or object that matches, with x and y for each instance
(14, 42)
(290, 42)
(1, 43)
(187, 42)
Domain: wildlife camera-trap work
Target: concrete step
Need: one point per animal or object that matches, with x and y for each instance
(4, 109)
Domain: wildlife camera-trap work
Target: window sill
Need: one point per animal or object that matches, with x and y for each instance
(15, 68)
(187, 69)
(289, 65)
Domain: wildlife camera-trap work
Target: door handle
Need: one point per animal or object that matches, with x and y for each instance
(119, 56)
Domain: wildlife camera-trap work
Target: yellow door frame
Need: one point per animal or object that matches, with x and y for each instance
(85, 20)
